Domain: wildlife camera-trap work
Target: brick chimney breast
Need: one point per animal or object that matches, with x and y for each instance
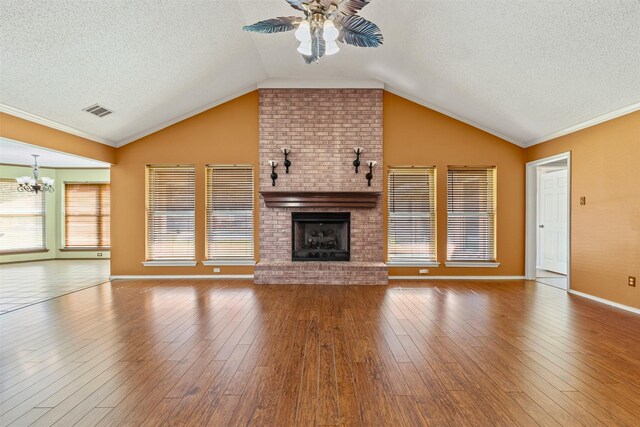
(321, 127)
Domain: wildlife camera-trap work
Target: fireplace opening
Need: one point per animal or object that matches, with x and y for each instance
(320, 236)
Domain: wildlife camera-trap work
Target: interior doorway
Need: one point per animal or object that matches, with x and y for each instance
(548, 221)
(55, 240)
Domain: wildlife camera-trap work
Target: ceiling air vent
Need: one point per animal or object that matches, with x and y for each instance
(98, 110)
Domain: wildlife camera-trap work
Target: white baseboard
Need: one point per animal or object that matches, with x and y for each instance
(250, 276)
(183, 276)
(606, 301)
(426, 277)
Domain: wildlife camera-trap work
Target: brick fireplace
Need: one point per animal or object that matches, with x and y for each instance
(321, 127)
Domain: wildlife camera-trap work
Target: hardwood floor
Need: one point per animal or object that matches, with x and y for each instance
(230, 353)
(26, 283)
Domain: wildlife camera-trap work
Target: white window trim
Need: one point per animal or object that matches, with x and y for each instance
(208, 185)
(471, 264)
(45, 237)
(486, 262)
(170, 263)
(431, 214)
(63, 219)
(213, 262)
(412, 264)
(179, 262)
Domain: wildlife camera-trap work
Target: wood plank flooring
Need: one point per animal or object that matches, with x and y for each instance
(26, 283)
(442, 353)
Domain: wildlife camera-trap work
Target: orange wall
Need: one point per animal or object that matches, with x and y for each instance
(605, 233)
(21, 130)
(415, 135)
(227, 134)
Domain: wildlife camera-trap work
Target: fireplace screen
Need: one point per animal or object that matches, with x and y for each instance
(320, 236)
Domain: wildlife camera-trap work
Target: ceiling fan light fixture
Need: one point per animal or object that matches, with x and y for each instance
(331, 47)
(303, 33)
(305, 48)
(330, 32)
(325, 22)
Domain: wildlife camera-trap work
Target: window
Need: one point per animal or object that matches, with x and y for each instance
(230, 214)
(471, 214)
(412, 215)
(22, 219)
(86, 215)
(171, 213)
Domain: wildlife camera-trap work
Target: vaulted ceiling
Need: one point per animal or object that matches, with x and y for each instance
(524, 71)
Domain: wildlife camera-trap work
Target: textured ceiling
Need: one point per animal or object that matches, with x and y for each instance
(521, 70)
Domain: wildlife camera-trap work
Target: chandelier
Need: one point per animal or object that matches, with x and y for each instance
(32, 185)
(325, 22)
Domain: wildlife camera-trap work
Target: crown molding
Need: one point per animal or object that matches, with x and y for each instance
(284, 83)
(591, 122)
(19, 165)
(320, 84)
(453, 115)
(4, 108)
(185, 116)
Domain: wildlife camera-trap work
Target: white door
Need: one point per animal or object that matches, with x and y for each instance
(552, 221)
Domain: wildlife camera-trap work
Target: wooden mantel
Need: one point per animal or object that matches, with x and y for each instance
(320, 199)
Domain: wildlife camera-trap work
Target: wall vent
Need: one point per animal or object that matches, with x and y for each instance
(98, 110)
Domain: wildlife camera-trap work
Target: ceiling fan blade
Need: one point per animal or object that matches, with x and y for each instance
(357, 31)
(274, 25)
(350, 7)
(297, 4)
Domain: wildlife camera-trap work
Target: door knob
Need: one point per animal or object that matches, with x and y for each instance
(541, 226)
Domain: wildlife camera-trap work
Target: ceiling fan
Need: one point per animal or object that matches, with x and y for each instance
(324, 23)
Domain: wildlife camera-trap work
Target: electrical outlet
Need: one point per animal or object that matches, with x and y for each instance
(424, 271)
(583, 200)
(99, 253)
(216, 270)
(632, 281)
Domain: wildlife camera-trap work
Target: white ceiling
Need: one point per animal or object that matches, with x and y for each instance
(17, 153)
(525, 71)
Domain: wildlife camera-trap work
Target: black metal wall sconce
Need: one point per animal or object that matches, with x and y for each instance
(274, 175)
(369, 175)
(356, 162)
(287, 162)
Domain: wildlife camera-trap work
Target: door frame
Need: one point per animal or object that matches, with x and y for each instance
(531, 226)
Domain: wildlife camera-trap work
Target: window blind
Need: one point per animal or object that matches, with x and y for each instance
(412, 215)
(87, 215)
(230, 213)
(170, 213)
(471, 214)
(22, 219)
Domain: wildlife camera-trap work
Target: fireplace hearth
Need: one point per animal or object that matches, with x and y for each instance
(320, 236)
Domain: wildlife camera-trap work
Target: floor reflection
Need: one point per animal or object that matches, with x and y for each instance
(27, 283)
(198, 352)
